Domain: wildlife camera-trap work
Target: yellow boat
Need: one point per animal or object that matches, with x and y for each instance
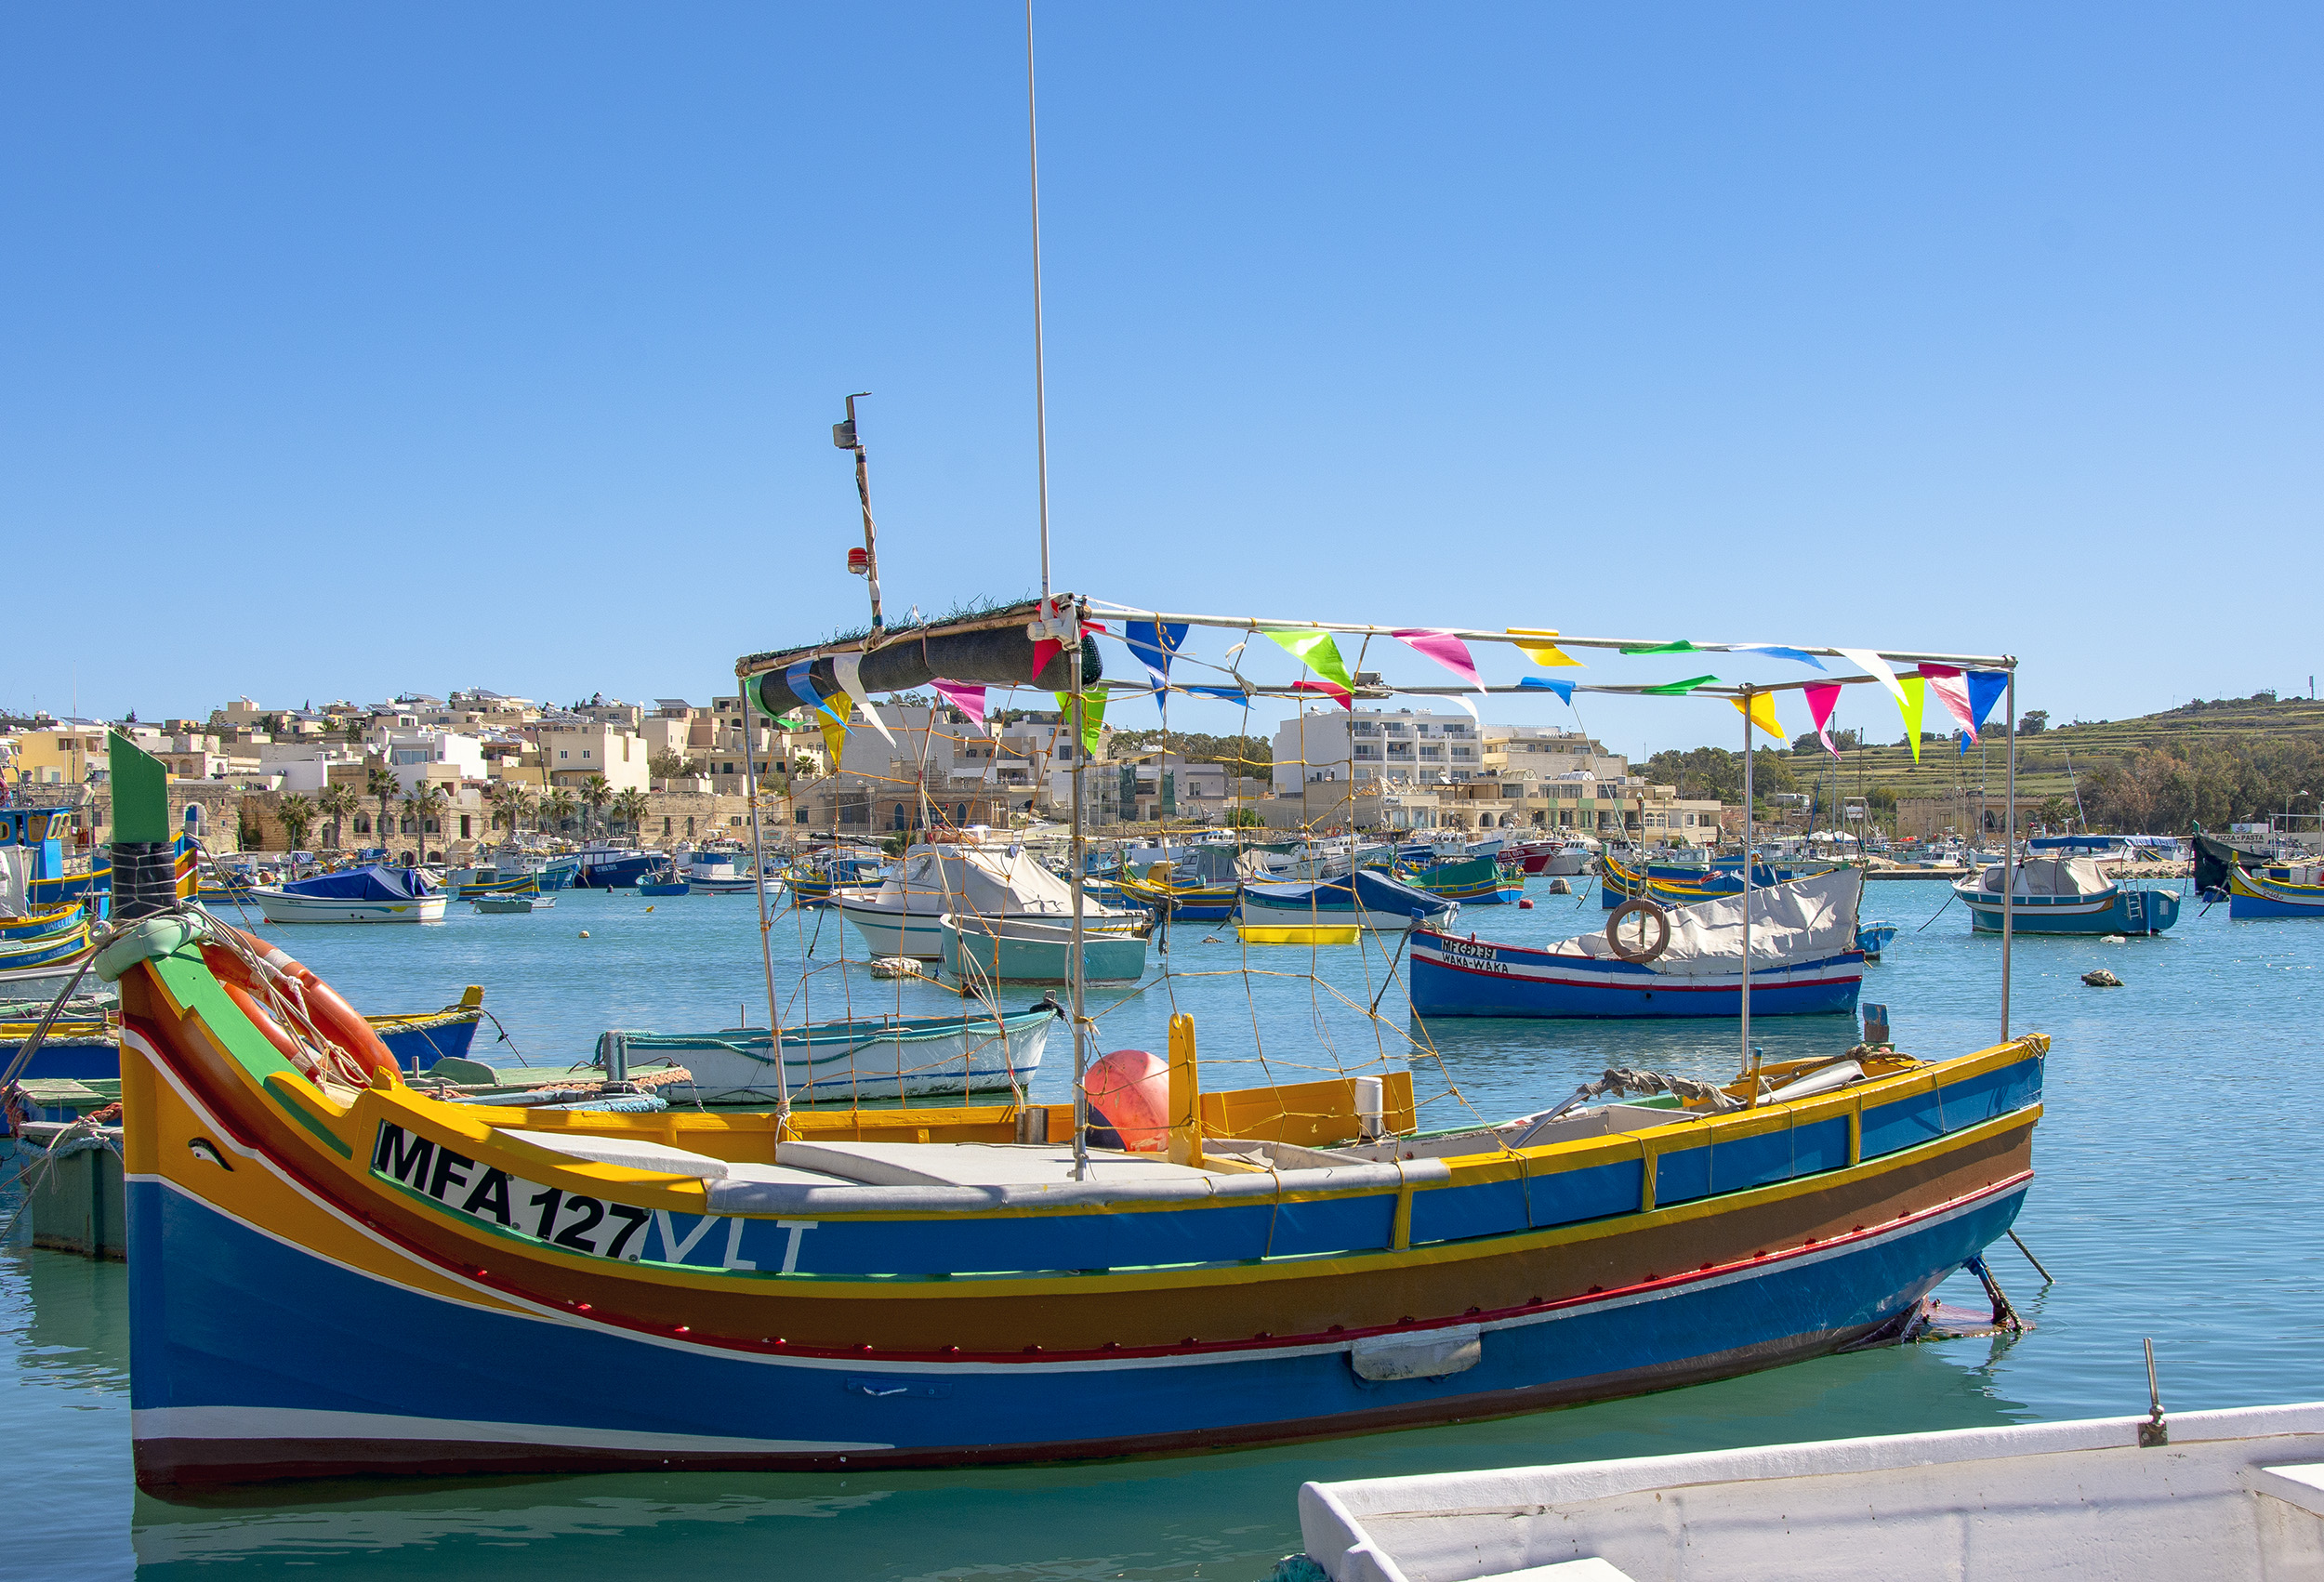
(1300, 933)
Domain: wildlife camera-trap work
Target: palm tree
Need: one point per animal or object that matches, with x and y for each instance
(629, 807)
(297, 815)
(516, 803)
(380, 781)
(595, 794)
(558, 807)
(334, 802)
(423, 802)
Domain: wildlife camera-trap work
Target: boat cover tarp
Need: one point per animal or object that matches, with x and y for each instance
(2052, 876)
(1374, 890)
(978, 881)
(374, 883)
(1800, 921)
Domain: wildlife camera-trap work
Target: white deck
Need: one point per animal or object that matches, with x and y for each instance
(975, 1164)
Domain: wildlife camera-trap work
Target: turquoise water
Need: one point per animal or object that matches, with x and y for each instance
(2176, 1198)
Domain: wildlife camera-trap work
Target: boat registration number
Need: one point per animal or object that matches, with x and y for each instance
(554, 1217)
(1476, 957)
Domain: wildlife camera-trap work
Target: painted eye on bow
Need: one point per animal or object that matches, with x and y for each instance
(204, 1149)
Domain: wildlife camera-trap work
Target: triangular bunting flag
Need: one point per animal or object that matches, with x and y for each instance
(1153, 643)
(965, 696)
(1546, 655)
(1444, 648)
(1318, 653)
(849, 668)
(1232, 694)
(1678, 689)
(1913, 698)
(802, 685)
(1760, 709)
(1821, 699)
(1682, 646)
(1092, 717)
(1986, 688)
(1875, 667)
(1339, 696)
(1777, 651)
(1952, 689)
(833, 740)
(1563, 689)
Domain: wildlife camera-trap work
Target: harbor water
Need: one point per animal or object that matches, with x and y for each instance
(2176, 1197)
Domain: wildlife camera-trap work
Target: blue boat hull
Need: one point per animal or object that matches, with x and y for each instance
(2126, 912)
(1452, 977)
(616, 872)
(211, 1298)
(2268, 906)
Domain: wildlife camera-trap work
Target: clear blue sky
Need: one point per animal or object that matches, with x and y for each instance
(355, 350)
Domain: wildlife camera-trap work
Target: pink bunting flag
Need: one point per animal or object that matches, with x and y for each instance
(1821, 699)
(1331, 689)
(1952, 689)
(1445, 649)
(969, 700)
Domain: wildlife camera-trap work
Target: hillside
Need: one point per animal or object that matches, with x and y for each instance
(2100, 753)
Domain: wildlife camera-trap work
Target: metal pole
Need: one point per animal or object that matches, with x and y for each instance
(758, 883)
(863, 493)
(1073, 967)
(1040, 383)
(1750, 1065)
(2009, 863)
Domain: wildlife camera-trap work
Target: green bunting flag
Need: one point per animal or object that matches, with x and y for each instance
(1680, 647)
(1678, 689)
(1318, 653)
(1092, 717)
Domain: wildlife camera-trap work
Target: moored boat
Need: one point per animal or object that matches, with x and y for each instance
(902, 916)
(1376, 900)
(2066, 896)
(1804, 960)
(373, 894)
(2252, 894)
(1018, 950)
(896, 1057)
(1474, 881)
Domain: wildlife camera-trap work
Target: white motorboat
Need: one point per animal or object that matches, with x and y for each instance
(902, 916)
(2233, 1495)
(375, 895)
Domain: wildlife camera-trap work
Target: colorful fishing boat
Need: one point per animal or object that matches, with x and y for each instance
(812, 882)
(2066, 896)
(2254, 894)
(48, 923)
(875, 1058)
(1874, 938)
(459, 1288)
(47, 950)
(1801, 943)
(1678, 884)
(1193, 903)
(470, 883)
(1017, 950)
(1474, 881)
(1367, 896)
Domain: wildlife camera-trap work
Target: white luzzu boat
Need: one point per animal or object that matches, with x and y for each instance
(2227, 1496)
(903, 915)
(375, 895)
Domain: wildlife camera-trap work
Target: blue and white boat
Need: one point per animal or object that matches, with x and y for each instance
(603, 866)
(2066, 896)
(1366, 896)
(374, 894)
(1803, 961)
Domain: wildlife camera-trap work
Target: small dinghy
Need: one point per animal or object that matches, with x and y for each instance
(874, 1057)
(1366, 897)
(373, 894)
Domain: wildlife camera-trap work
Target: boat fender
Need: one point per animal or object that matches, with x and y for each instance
(1638, 907)
(1130, 1102)
(154, 937)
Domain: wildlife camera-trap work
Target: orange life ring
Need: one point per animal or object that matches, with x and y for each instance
(1638, 905)
(353, 1053)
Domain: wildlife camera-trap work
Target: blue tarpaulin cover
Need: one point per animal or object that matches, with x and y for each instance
(374, 883)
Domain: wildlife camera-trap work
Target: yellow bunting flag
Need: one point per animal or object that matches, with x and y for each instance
(833, 738)
(1092, 717)
(1915, 691)
(1546, 655)
(1760, 711)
